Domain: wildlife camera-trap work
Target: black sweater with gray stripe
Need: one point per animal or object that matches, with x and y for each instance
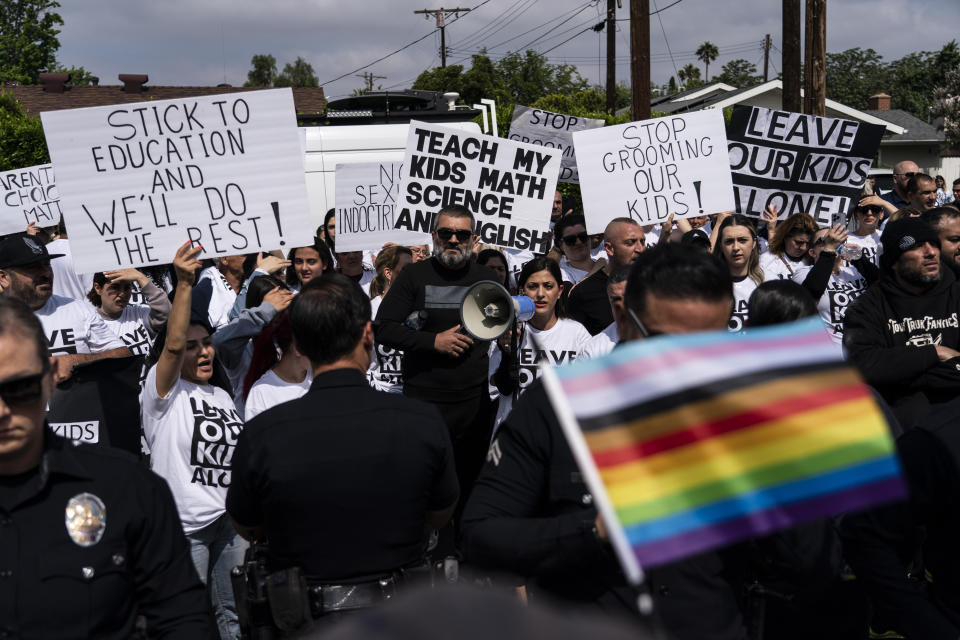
(423, 301)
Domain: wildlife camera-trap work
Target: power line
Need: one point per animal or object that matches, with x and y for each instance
(544, 34)
(497, 24)
(562, 16)
(665, 41)
(579, 33)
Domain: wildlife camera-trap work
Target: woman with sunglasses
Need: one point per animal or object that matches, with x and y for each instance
(547, 336)
(738, 249)
(572, 239)
(136, 324)
(865, 231)
(191, 427)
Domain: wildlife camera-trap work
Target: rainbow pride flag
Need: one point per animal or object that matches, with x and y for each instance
(691, 442)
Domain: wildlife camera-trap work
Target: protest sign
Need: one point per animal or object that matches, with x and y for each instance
(366, 195)
(138, 180)
(799, 163)
(28, 195)
(549, 129)
(507, 185)
(649, 169)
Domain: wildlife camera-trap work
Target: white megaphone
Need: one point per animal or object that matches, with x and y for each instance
(488, 310)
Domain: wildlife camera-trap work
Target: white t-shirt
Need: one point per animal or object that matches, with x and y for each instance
(870, 244)
(75, 326)
(779, 267)
(66, 281)
(222, 297)
(570, 273)
(842, 289)
(600, 344)
(270, 390)
(133, 328)
(560, 345)
(741, 298)
(386, 364)
(192, 434)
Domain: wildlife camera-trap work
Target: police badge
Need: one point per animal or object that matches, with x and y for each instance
(86, 519)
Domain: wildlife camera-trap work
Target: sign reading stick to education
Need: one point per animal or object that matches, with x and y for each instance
(138, 180)
(28, 195)
(366, 196)
(549, 129)
(799, 163)
(507, 185)
(649, 169)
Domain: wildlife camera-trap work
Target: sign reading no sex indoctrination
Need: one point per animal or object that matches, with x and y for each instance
(28, 195)
(549, 129)
(508, 185)
(138, 180)
(798, 162)
(649, 169)
(366, 196)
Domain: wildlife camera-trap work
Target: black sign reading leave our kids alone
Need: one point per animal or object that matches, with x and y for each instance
(797, 162)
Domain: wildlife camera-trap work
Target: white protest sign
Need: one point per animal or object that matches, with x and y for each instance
(507, 185)
(549, 129)
(366, 195)
(647, 170)
(138, 180)
(28, 195)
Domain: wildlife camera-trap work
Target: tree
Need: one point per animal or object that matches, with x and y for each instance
(854, 75)
(264, 71)
(441, 79)
(672, 85)
(917, 74)
(298, 74)
(739, 73)
(21, 137)
(690, 76)
(528, 76)
(28, 39)
(79, 77)
(946, 105)
(707, 53)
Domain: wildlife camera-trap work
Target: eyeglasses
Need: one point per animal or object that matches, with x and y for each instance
(573, 239)
(642, 328)
(462, 234)
(419, 252)
(22, 391)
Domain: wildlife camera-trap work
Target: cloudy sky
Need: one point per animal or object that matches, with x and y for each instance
(206, 42)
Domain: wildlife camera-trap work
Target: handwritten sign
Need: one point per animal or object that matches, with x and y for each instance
(28, 195)
(549, 129)
(138, 180)
(649, 169)
(507, 185)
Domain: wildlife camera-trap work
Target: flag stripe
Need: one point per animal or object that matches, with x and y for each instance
(762, 522)
(639, 447)
(761, 500)
(766, 476)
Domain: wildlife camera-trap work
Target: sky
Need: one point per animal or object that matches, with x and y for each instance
(207, 42)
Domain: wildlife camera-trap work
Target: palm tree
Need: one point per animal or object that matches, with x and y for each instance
(689, 76)
(707, 53)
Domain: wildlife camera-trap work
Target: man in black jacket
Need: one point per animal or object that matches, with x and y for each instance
(904, 332)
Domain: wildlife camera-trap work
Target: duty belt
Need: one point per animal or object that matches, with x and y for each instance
(327, 598)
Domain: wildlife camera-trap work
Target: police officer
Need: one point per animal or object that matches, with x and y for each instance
(89, 539)
(531, 513)
(344, 482)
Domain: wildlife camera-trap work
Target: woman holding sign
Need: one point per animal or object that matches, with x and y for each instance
(738, 249)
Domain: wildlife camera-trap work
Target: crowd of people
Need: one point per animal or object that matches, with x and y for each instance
(325, 412)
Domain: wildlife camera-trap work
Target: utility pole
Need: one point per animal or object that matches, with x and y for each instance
(441, 15)
(815, 70)
(640, 59)
(612, 56)
(368, 79)
(791, 56)
(766, 57)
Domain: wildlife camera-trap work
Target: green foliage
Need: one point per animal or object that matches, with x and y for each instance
(442, 79)
(21, 137)
(739, 73)
(79, 77)
(529, 76)
(707, 53)
(298, 74)
(672, 86)
(690, 77)
(28, 39)
(946, 105)
(264, 71)
(854, 75)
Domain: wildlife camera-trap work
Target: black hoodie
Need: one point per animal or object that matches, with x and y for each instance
(891, 335)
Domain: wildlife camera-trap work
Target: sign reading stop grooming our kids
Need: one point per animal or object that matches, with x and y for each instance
(649, 169)
(138, 180)
(549, 129)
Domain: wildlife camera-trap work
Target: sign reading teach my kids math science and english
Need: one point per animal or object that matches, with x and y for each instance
(28, 195)
(138, 180)
(507, 185)
(649, 169)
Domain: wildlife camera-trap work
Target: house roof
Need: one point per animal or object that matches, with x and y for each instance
(916, 130)
(35, 99)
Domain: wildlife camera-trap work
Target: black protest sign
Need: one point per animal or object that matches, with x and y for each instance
(799, 163)
(507, 185)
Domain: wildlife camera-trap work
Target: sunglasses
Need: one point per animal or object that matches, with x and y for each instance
(23, 391)
(462, 234)
(874, 210)
(573, 239)
(907, 175)
(642, 328)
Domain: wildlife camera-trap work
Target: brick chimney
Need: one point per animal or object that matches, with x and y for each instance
(54, 82)
(94, 81)
(879, 102)
(132, 82)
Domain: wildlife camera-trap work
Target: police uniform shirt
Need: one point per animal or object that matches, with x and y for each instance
(74, 326)
(89, 541)
(588, 303)
(342, 478)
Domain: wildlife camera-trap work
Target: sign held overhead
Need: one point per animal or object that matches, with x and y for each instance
(28, 195)
(549, 129)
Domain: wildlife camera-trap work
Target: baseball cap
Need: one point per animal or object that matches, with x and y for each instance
(23, 249)
(902, 235)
